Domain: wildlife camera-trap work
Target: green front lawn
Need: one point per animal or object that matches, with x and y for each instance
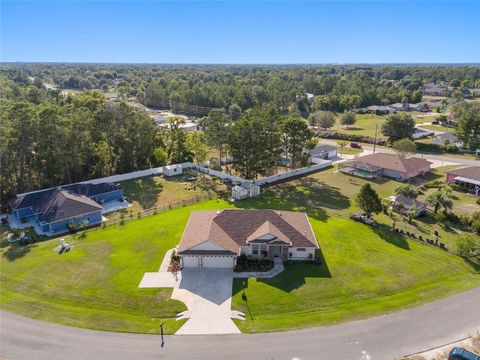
(96, 284)
(366, 271)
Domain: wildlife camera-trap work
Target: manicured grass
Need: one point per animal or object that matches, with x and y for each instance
(153, 191)
(96, 284)
(349, 151)
(365, 125)
(366, 271)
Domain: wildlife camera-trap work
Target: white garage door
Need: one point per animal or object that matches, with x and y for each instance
(191, 261)
(217, 261)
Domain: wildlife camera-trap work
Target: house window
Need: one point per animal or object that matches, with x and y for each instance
(255, 249)
(301, 249)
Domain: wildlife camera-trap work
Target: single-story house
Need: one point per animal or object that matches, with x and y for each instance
(389, 165)
(379, 109)
(419, 133)
(217, 238)
(404, 204)
(52, 210)
(323, 151)
(447, 138)
(172, 170)
(245, 190)
(468, 177)
(432, 89)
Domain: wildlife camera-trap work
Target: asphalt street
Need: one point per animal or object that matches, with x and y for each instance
(385, 337)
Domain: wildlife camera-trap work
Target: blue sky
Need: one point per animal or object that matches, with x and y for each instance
(241, 32)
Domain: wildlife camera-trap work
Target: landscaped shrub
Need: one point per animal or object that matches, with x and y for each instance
(250, 263)
(457, 187)
(433, 184)
(436, 148)
(439, 217)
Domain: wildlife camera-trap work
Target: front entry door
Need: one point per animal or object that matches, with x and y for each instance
(276, 251)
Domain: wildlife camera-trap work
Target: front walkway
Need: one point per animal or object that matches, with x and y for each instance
(162, 278)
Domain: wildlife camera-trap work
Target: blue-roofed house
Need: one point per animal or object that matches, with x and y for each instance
(51, 211)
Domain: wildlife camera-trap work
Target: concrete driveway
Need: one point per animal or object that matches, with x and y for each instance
(208, 296)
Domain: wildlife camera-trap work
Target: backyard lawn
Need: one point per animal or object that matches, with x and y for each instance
(365, 271)
(153, 191)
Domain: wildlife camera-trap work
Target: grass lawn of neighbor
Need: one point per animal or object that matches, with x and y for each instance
(366, 271)
(365, 125)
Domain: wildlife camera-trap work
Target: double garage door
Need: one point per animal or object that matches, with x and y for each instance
(208, 261)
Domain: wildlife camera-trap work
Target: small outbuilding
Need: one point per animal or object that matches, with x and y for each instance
(245, 190)
(323, 151)
(404, 204)
(173, 170)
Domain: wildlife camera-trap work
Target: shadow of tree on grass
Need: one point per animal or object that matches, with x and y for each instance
(145, 191)
(308, 194)
(16, 251)
(385, 233)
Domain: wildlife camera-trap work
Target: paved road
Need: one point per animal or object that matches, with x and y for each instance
(384, 337)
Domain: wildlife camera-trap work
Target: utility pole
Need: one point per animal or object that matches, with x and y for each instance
(375, 139)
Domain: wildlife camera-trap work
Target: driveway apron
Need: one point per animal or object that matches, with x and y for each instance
(208, 296)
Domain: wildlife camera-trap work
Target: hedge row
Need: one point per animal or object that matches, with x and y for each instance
(350, 137)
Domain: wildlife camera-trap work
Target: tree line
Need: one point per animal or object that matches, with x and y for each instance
(238, 88)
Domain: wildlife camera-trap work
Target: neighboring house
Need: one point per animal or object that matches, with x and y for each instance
(419, 133)
(389, 165)
(399, 107)
(172, 170)
(403, 204)
(468, 177)
(217, 238)
(245, 190)
(323, 152)
(475, 92)
(447, 138)
(432, 89)
(310, 97)
(51, 210)
(379, 109)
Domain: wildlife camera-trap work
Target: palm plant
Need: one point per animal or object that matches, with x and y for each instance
(407, 190)
(439, 199)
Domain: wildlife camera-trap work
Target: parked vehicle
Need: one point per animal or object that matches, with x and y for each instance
(355, 146)
(458, 353)
(227, 181)
(191, 178)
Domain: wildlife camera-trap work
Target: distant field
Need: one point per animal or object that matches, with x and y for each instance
(365, 125)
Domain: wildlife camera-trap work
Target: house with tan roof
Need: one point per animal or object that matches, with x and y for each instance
(216, 238)
(389, 165)
(468, 177)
